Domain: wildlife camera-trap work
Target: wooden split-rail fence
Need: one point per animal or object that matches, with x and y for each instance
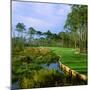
(72, 73)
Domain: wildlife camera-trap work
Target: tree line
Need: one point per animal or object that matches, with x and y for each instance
(74, 34)
(76, 24)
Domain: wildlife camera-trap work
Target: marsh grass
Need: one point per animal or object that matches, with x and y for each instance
(43, 78)
(27, 62)
(27, 67)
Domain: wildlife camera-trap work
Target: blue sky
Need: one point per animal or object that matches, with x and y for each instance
(41, 16)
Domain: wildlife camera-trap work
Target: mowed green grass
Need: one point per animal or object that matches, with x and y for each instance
(76, 62)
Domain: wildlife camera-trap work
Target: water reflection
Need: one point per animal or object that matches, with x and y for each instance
(52, 66)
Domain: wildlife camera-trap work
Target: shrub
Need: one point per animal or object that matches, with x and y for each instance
(27, 67)
(40, 55)
(43, 78)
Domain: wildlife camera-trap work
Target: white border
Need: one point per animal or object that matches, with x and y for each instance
(62, 1)
(5, 44)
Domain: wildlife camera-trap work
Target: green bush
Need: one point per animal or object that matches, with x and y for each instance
(27, 67)
(40, 55)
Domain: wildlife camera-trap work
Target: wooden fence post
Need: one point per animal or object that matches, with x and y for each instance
(70, 75)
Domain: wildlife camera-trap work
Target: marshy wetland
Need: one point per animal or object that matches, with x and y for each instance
(37, 67)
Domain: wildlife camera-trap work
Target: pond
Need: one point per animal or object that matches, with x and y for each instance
(54, 66)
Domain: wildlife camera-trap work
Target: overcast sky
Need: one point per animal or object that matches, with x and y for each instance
(41, 16)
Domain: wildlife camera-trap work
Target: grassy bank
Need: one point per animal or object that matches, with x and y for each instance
(76, 62)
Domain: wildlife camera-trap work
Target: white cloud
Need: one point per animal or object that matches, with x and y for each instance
(39, 15)
(35, 22)
(45, 8)
(63, 10)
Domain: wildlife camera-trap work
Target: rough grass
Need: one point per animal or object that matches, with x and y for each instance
(30, 60)
(77, 62)
(43, 78)
(27, 69)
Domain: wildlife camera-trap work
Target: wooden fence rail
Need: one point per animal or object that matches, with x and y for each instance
(72, 73)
